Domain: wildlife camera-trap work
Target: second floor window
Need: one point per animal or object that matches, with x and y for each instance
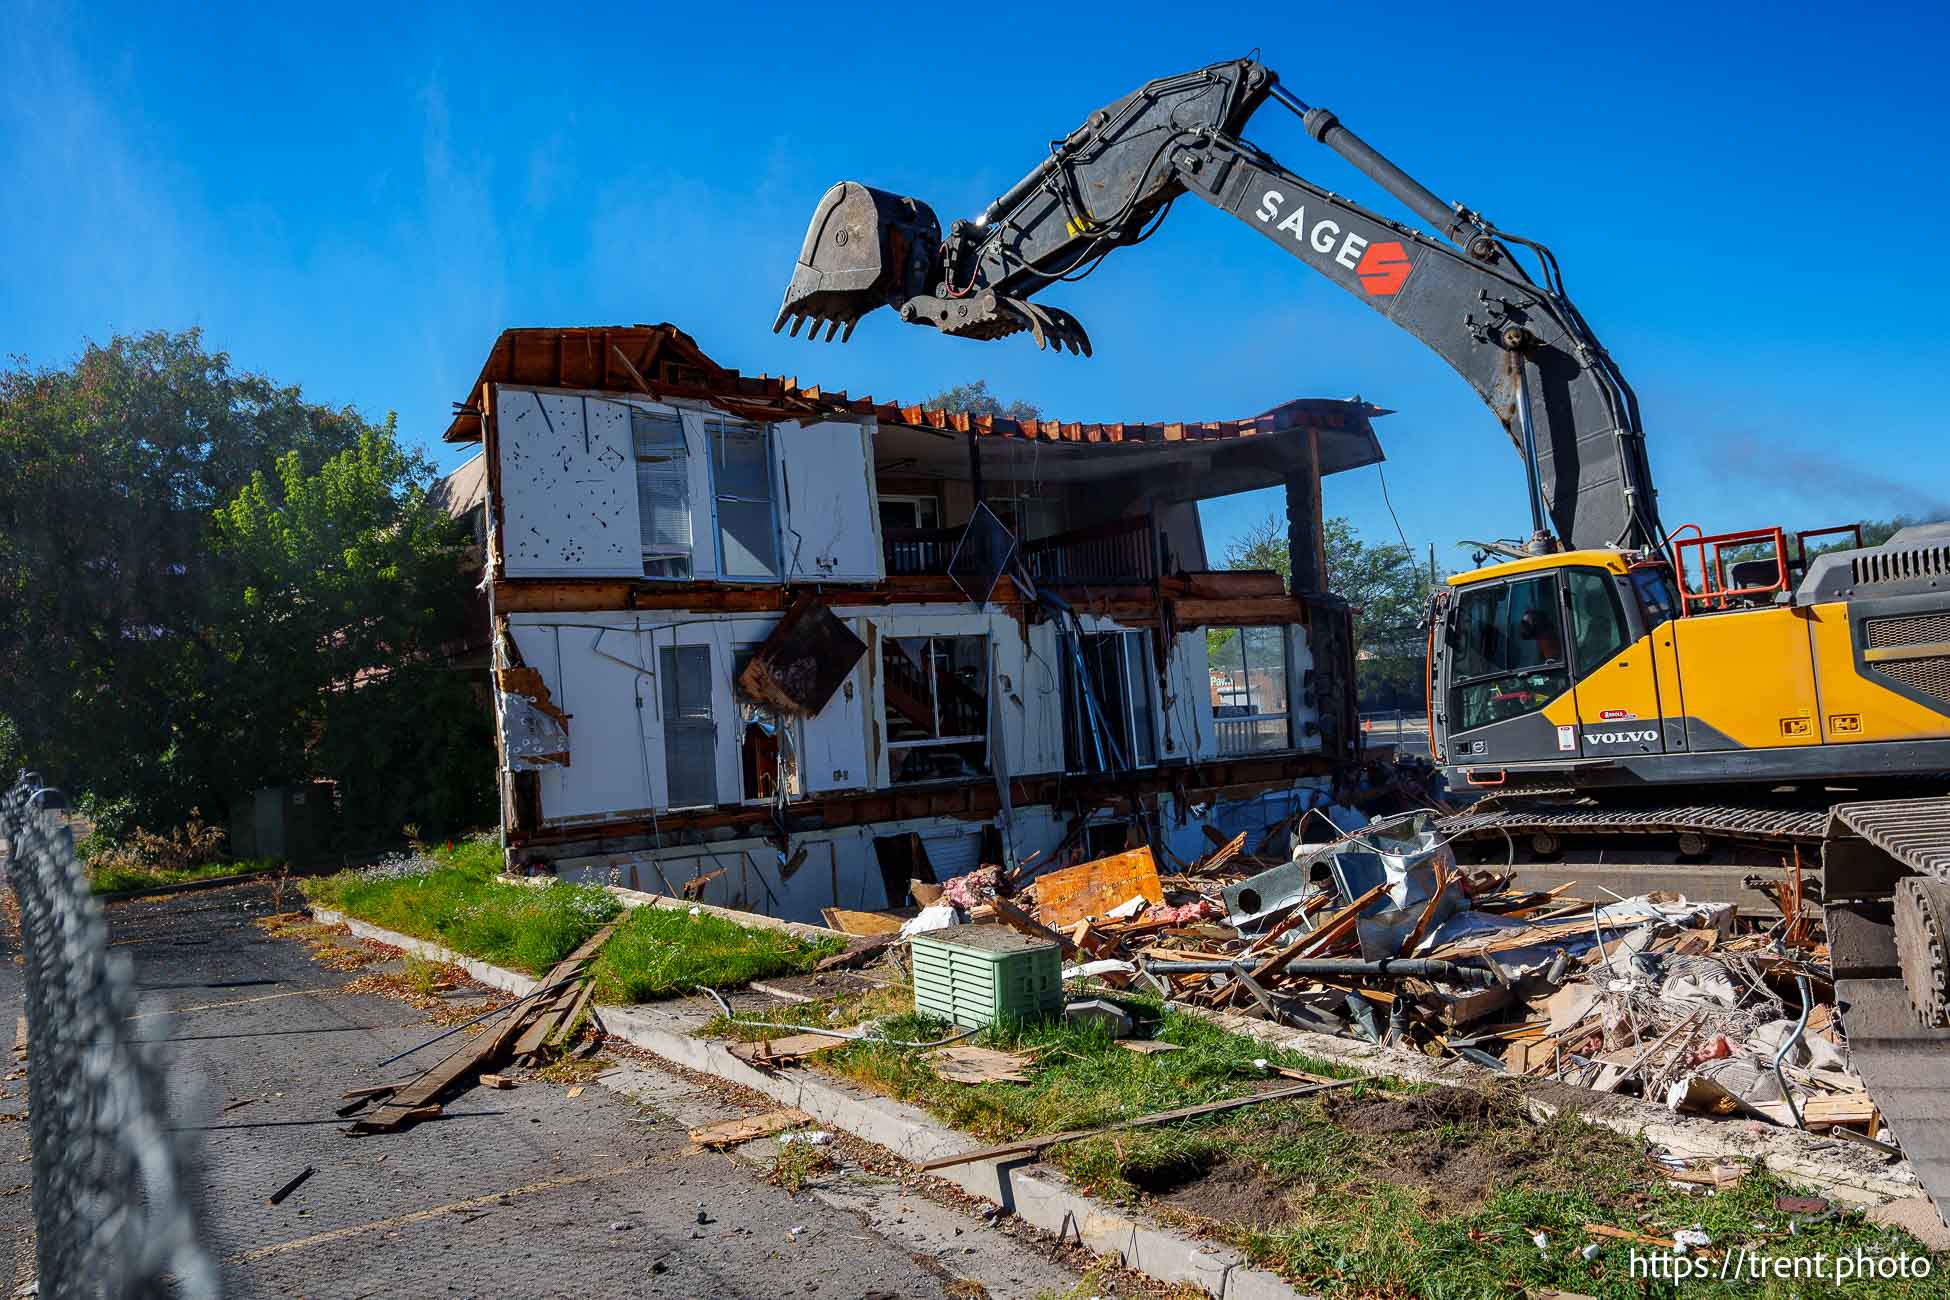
(663, 485)
(731, 501)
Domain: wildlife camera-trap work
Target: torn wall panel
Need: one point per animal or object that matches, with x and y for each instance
(1187, 702)
(534, 732)
(830, 525)
(596, 677)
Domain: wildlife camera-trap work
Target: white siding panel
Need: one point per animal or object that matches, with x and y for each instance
(1189, 732)
(615, 741)
(831, 522)
(704, 520)
(568, 486)
(1301, 699)
(833, 742)
(1040, 686)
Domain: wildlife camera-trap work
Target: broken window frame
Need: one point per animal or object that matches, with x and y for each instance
(716, 426)
(1254, 723)
(1137, 746)
(896, 748)
(750, 712)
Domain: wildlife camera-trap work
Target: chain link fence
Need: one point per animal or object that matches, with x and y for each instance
(112, 1181)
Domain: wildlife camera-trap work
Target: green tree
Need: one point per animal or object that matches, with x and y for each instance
(211, 584)
(109, 471)
(1387, 589)
(341, 585)
(976, 399)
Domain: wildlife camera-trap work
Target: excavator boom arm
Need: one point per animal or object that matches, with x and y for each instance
(1520, 343)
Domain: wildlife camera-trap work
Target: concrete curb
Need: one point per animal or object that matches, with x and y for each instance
(1039, 1197)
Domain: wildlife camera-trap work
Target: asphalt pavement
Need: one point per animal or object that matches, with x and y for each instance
(529, 1192)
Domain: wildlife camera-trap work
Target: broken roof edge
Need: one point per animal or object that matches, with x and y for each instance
(662, 361)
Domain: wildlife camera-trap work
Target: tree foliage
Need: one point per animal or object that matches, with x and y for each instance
(1388, 590)
(976, 399)
(340, 586)
(140, 661)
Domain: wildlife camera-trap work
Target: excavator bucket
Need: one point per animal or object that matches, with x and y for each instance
(865, 248)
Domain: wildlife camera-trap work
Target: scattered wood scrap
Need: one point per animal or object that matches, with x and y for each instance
(978, 1065)
(868, 923)
(765, 1054)
(751, 1127)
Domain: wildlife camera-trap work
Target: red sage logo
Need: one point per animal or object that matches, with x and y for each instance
(1382, 267)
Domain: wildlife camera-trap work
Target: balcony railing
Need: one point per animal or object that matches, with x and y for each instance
(912, 552)
(1121, 551)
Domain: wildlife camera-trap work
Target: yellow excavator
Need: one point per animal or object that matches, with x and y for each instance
(1604, 680)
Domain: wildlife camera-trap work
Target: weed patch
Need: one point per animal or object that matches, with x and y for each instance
(115, 873)
(453, 899)
(798, 1163)
(660, 952)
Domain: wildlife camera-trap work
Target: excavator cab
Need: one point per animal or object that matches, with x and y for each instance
(1542, 663)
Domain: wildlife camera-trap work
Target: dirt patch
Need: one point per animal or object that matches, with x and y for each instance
(1450, 1148)
(1423, 1111)
(1234, 1192)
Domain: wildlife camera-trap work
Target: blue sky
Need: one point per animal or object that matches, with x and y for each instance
(1746, 200)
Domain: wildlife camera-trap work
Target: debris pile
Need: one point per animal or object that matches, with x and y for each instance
(529, 1027)
(1377, 934)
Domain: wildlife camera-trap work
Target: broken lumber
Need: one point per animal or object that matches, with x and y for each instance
(734, 1131)
(1330, 933)
(1017, 919)
(419, 1099)
(764, 1053)
(1031, 1145)
(860, 950)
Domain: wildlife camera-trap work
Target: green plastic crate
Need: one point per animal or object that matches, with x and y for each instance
(975, 975)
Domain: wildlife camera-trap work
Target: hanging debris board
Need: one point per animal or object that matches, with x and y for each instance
(804, 661)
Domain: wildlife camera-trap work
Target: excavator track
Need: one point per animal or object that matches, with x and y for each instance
(1782, 824)
(1887, 875)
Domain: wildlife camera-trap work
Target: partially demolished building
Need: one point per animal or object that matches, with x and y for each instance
(784, 649)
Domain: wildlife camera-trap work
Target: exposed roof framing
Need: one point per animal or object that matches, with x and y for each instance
(663, 361)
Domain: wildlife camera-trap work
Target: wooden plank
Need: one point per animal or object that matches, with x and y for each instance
(782, 1051)
(1318, 941)
(734, 1131)
(1226, 852)
(867, 923)
(470, 1058)
(1093, 888)
(586, 992)
(1028, 1145)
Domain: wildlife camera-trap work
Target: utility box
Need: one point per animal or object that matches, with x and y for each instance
(292, 822)
(975, 975)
